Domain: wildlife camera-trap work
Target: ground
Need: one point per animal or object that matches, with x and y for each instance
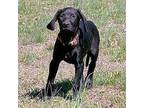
(36, 47)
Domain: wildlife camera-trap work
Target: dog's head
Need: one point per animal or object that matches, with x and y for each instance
(68, 19)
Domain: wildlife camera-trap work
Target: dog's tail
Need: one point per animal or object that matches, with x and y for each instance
(87, 60)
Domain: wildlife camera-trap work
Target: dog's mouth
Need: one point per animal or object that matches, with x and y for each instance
(70, 30)
(67, 31)
(66, 36)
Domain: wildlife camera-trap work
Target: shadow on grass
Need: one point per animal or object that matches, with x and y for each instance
(60, 89)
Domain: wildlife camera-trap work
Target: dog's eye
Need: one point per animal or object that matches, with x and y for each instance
(73, 16)
(62, 15)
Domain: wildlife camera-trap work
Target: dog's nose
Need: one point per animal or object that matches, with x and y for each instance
(65, 25)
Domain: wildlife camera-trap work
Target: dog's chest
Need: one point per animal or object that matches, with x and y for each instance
(70, 56)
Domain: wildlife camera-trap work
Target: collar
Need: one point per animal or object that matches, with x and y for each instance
(74, 41)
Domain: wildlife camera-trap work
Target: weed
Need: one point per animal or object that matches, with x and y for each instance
(50, 47)
(28, 58)
(110, 78)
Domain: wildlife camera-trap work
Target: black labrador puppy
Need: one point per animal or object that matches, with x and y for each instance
(77, 38)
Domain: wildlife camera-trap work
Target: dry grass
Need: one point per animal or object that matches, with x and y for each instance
(35, 52)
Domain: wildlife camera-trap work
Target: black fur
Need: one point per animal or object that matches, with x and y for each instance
(72, 22)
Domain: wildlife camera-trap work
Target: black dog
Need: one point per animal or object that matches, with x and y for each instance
(77, 38)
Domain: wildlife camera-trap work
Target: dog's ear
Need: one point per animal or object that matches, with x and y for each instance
(51, 25)
(83, 18)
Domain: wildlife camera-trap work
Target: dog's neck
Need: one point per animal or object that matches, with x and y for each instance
(73, 42)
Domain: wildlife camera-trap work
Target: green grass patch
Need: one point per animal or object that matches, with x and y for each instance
(28, 58)
(110, 78)
(113, 44)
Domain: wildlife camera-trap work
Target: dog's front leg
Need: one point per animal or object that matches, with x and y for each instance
(52, 73)
(78, 79)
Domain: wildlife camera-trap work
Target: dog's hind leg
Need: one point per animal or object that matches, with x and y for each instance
(92, 65)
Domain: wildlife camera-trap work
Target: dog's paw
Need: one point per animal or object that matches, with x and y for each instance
(89, 84)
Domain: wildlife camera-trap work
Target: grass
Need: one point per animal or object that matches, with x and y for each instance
(108, 15)
(28, 58)
(110, 78)
(37, 45)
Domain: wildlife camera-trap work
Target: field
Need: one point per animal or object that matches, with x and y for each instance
(35, 53)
